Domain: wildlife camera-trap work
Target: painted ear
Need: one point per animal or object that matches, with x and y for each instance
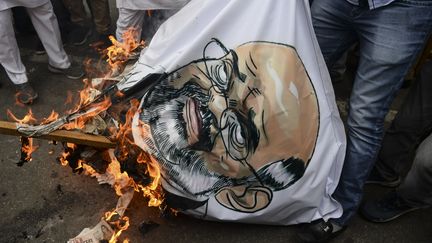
(245, 199)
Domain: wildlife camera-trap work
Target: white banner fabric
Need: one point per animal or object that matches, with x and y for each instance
(243, 120)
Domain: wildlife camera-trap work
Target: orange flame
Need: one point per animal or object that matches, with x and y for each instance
(153, 191)
(69, 97)
(121, 179)
(28, 149)
(121, 224)
(52, 117)
(123, 135)
(88, 170)
(92, 109)
(122, 227)
(64, 155)
(28, 118)
(120, 52)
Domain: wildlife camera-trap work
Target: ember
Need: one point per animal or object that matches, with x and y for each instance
(27, 119)
(126, 169)
(120, 52)
(117, 222)
(27, 149)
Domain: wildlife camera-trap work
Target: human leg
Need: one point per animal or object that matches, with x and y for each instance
(101, 16)
(416, 189)
(332, 25)
(81, 29)
(412, 123)
(414, 193)
(129, 18)
(10, 59)
(63, 18)
(45, 23)
(102, 20)
(77, 12)
(390, 39)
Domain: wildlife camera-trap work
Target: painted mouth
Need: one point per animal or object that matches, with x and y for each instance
(193, 119)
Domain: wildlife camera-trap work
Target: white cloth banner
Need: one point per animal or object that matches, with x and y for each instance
(243, 119)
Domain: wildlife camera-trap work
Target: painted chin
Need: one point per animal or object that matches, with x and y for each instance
(193, 120)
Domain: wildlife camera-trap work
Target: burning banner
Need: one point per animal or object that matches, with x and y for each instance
(236, 117)
(241, 116)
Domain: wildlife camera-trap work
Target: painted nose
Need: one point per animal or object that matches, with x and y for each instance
(217, 103)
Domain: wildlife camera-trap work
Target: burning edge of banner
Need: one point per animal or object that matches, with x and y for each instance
(126, 168)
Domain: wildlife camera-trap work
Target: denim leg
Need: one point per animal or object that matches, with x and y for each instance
(390, 38)
(416, 189)
(331, 21)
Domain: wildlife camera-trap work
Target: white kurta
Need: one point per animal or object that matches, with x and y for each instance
(6, 4)
(132, 12)
(45, 23)
(181, 43)
(151, 4)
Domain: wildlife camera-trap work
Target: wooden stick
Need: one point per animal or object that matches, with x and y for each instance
(98, 141)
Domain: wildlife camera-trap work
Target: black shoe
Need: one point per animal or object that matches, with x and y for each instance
(319, 231)
(40, 49)
(79, 35)
(387, 208)
(375, 178)
(74, 71)
(25, 94)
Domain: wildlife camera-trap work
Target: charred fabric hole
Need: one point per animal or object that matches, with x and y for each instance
(25, 157)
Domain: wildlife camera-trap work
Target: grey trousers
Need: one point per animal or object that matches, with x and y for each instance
(411, 126)
(417, 186)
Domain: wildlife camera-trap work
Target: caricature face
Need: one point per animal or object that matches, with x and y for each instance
(225, 121)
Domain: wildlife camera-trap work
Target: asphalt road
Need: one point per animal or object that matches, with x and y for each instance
(43, 201)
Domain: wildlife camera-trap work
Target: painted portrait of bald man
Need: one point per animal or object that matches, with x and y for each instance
(237, 126)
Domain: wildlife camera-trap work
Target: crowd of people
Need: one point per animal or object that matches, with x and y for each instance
(390, 35)
(58, 22)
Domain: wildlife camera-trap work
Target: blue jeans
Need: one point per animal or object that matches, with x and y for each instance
(390, 38)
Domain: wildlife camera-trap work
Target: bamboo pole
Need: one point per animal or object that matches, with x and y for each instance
(97, 141)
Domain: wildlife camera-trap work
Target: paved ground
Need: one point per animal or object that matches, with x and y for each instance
(45, 202)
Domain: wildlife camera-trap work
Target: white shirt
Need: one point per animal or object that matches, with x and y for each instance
(6, 4)
(151, 4)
